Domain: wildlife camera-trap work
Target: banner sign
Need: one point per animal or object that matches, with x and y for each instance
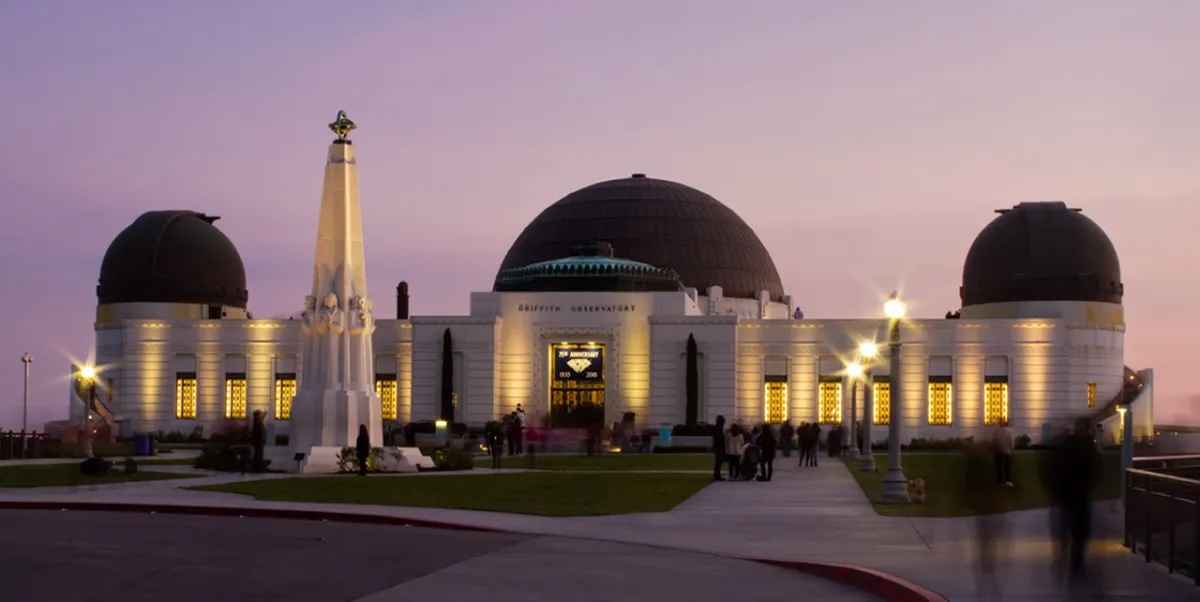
(579, 363)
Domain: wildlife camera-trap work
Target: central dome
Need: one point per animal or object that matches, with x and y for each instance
(661, 223)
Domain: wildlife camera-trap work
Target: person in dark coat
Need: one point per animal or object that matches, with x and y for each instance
(786, 433)
(258, 438)
(718, 448)
(1074, 471)
(814, 442)
(362, 448)
(767, 445)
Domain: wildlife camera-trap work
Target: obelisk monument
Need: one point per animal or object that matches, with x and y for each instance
(336, 391)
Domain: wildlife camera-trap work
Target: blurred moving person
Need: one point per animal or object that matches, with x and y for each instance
(1002, 445)
(1073, 470)
(985, 498)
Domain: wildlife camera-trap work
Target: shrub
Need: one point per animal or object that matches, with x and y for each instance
(235, 432)
(693, 430)
(131, 466)
(281, 439)
(683, 449)
(953, 443)
(227, 458)
(1023, 441)
(453, 459)
(95, 467)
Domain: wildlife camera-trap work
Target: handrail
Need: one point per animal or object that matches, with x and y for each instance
(1166, 458)
(1165, 477)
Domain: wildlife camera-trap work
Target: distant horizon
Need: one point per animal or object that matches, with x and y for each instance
(867, 144)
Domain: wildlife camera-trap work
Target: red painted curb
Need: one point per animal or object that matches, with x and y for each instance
(342, 517)
(876, 583)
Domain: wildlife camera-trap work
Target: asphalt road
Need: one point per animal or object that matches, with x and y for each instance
(94, 556)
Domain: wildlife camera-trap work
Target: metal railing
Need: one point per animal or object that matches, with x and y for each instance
(1162, 515)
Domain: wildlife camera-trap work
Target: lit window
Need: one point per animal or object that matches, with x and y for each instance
(830, 410)
(185, 395)
(940, 400)
(235, 395)
(285, 390)
(881, 401)
(995, 400)
(1091, 395)
(775, 397)
(385, 388)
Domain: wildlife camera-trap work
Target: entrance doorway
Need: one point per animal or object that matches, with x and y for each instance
(576, 385)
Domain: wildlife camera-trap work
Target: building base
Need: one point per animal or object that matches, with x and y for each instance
(325, 460)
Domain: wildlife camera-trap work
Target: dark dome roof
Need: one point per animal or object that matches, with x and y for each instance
(172, 257)
(664, 224)
(591, 268)
(1041, 252)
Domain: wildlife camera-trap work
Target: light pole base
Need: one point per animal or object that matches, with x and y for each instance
(852, 453)
(866, 463)
(895, 487)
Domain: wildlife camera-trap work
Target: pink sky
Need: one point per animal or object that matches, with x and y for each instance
(866, 142)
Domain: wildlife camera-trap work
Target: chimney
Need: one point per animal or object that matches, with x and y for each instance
(402, 301)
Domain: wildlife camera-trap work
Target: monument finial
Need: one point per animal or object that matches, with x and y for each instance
(342, 125)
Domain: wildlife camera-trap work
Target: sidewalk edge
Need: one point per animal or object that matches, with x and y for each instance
(877, 583)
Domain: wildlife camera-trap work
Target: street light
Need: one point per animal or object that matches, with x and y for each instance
(867, 351)
(25, 359)
(88, 375)
(895, 484)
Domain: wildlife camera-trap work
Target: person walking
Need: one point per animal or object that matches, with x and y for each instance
(814, 452)
(363, 449)
(735, 443)
(718, 448)
(1002, 447)
(258, 437)
(786, 435)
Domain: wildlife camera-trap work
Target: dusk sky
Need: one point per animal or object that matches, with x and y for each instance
(866, 142)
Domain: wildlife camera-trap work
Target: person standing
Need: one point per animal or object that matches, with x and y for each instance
(767, 443)
(1002, 446)
(718, 448)
(815, 445)
(786, 433)
(258, 437)
(363, 449)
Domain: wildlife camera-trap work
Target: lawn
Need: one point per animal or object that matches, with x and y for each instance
(537, 493)
(66, 475)
(167, 461)
(607, 462)
(944, 475)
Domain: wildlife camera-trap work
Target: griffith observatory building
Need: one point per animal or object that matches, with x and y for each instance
(613, 300)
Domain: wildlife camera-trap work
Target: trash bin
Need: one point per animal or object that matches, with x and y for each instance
(141, 445)
(664, 435)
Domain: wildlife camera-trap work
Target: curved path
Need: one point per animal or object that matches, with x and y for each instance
(86, 556)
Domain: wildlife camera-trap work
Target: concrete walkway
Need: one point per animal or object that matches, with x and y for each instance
(805, 514)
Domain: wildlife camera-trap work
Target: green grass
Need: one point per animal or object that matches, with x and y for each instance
(944, 474)
(66, 475)
(607, 462)
(537, 493)
(167, 461)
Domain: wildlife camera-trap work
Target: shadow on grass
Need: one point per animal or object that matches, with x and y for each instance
(536, 493)
(944, 474)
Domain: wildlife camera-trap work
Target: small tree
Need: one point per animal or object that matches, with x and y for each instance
(693, 382)
(447, 412)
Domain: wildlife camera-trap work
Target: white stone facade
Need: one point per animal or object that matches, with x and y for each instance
(1052, 357)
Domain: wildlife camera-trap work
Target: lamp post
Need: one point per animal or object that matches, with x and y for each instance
(854, 370)
(867, 350)
(895, 485)
(88, 375)
(25, 359)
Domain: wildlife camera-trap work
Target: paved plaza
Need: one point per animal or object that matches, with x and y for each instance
(810, 514)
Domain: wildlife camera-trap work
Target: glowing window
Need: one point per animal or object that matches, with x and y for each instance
(775, 398)
(881, 401)
(1091, 395)
(385, 388)
(995, 400)
(285, 390)
(235, 396)
(185, 395)
(940, 401)
(830, 400)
